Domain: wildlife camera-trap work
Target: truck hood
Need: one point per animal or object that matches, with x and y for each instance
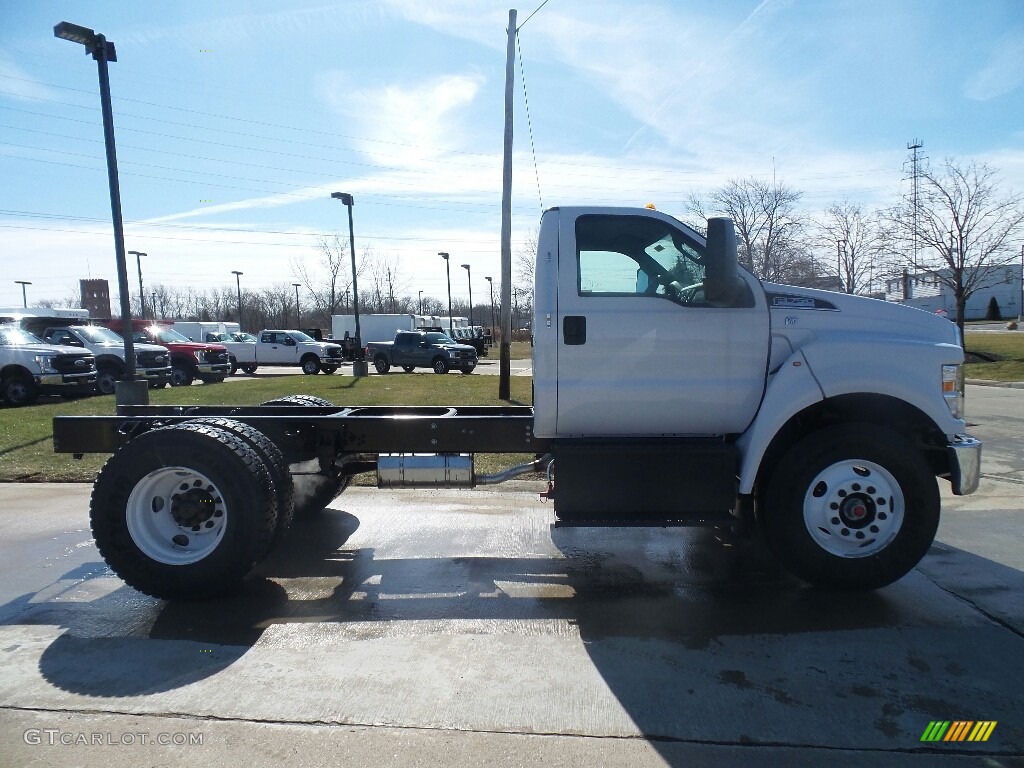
(195, 346)
(49, 349)
(114, 346)
(458, 347)
(801, 314)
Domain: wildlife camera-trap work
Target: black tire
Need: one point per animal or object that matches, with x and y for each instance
(307, 400)
(19, 391)
(329, 369)
(270, 454)
(137, 504)
(852, 506)
(212, 379)
(315, 492)
(250, 368)
(181, 376)
(408, 368)
(440, 365)
(381, 364)
(106, 380)
(157, 384)
(311, 365)
(468, 369)
(234, 365)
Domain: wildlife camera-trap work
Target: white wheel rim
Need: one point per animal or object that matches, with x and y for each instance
(176, 516)
(854, 508)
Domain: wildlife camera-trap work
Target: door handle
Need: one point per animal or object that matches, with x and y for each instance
(574, 330)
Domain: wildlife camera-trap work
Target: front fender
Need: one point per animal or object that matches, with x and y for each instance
(790, 390)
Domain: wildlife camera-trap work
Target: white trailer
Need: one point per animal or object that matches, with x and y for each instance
(372, 327)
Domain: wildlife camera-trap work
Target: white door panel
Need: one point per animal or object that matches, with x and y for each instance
(651, 365)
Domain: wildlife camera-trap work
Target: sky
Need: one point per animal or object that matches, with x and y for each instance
(235, 121)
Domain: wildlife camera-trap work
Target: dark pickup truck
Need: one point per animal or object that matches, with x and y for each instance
(421, 349)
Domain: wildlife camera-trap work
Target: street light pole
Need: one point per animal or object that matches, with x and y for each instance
(1020, 311)
(136, 393)
(359, 367)
(491, 283)
(238, 285)
(421, 303)
(840, 250)
(142, 297)
(448, 271)
(24, 296)
(298, 321)
(469, 279)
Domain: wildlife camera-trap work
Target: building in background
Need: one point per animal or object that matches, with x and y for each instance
(926, 291)
(95, 297)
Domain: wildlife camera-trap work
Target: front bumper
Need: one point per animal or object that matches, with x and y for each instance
(964, 464)
(66, 384)
(219, 369)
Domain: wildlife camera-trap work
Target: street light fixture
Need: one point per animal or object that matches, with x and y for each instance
(142, 297)
(359, 367)
(24, 296)
(102, 50)
(448, 271)
(491, 282)
(298, 322)
(238, 285)
(469, 280)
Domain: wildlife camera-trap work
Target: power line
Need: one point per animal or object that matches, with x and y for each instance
(532, 15)
(529, 121)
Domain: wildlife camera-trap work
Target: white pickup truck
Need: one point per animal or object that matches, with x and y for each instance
(29, 368)
(273, 347)
(671, 387)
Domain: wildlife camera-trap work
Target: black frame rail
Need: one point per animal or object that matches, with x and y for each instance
(306, 430)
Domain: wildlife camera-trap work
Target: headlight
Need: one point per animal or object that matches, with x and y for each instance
(198, 356)
(953, 389)
(45, 363)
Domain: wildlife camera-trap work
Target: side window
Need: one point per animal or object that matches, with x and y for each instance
(266, 338)
(638, 256)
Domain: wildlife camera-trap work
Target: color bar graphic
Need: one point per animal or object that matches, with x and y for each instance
(959, 730)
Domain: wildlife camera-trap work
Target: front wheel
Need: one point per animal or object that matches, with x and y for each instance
(249, 368)
(381, 364)
(20, 390)
(440, 365)
(468, 368)
(851, 506)
(311, 366)
(181, 377)
(329, 369)
(106, 381)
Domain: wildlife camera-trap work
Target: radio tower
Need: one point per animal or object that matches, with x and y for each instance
(914, 175)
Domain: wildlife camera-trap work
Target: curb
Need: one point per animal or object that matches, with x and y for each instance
(991, 383)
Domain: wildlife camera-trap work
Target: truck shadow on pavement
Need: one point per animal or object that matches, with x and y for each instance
(698, 637)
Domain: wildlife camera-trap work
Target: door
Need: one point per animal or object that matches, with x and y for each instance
(274, 348)
(641, 350)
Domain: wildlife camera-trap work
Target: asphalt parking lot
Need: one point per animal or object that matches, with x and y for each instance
(458, 628)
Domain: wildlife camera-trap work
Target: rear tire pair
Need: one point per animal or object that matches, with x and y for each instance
(186, 511)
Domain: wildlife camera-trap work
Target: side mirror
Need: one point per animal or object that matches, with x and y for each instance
(721, 273)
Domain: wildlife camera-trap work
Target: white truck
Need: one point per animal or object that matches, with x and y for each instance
(671, 387)
(283, 347)
(29, 368)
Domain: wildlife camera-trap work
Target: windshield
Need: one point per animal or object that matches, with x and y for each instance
(439, 338)
(14, 337)
(241, 337)
(95, 334)
(167, 335)
(300, 336)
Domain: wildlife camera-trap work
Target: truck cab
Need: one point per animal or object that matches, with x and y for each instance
(291, 347)
(29, 367)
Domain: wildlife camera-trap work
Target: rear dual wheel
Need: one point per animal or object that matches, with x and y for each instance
(186, 511)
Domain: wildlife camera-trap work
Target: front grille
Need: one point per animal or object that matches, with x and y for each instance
(152, 359)
(70, 364)
(334, 352)
(216, 357)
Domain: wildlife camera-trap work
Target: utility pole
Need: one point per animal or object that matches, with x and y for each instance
(505, 366)
(915, 175)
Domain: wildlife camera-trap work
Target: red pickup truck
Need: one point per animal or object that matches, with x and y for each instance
(190, 360)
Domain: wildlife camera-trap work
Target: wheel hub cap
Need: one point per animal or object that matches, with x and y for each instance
(854, 508)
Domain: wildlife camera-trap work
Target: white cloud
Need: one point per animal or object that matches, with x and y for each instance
(1002, 73)
(17, 83)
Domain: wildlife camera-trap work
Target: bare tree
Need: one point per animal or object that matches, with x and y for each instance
(767, 223)
(327, 291)
(966, 223)
(850, 239)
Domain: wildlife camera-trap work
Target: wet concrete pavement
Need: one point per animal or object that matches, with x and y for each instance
(456, 627)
